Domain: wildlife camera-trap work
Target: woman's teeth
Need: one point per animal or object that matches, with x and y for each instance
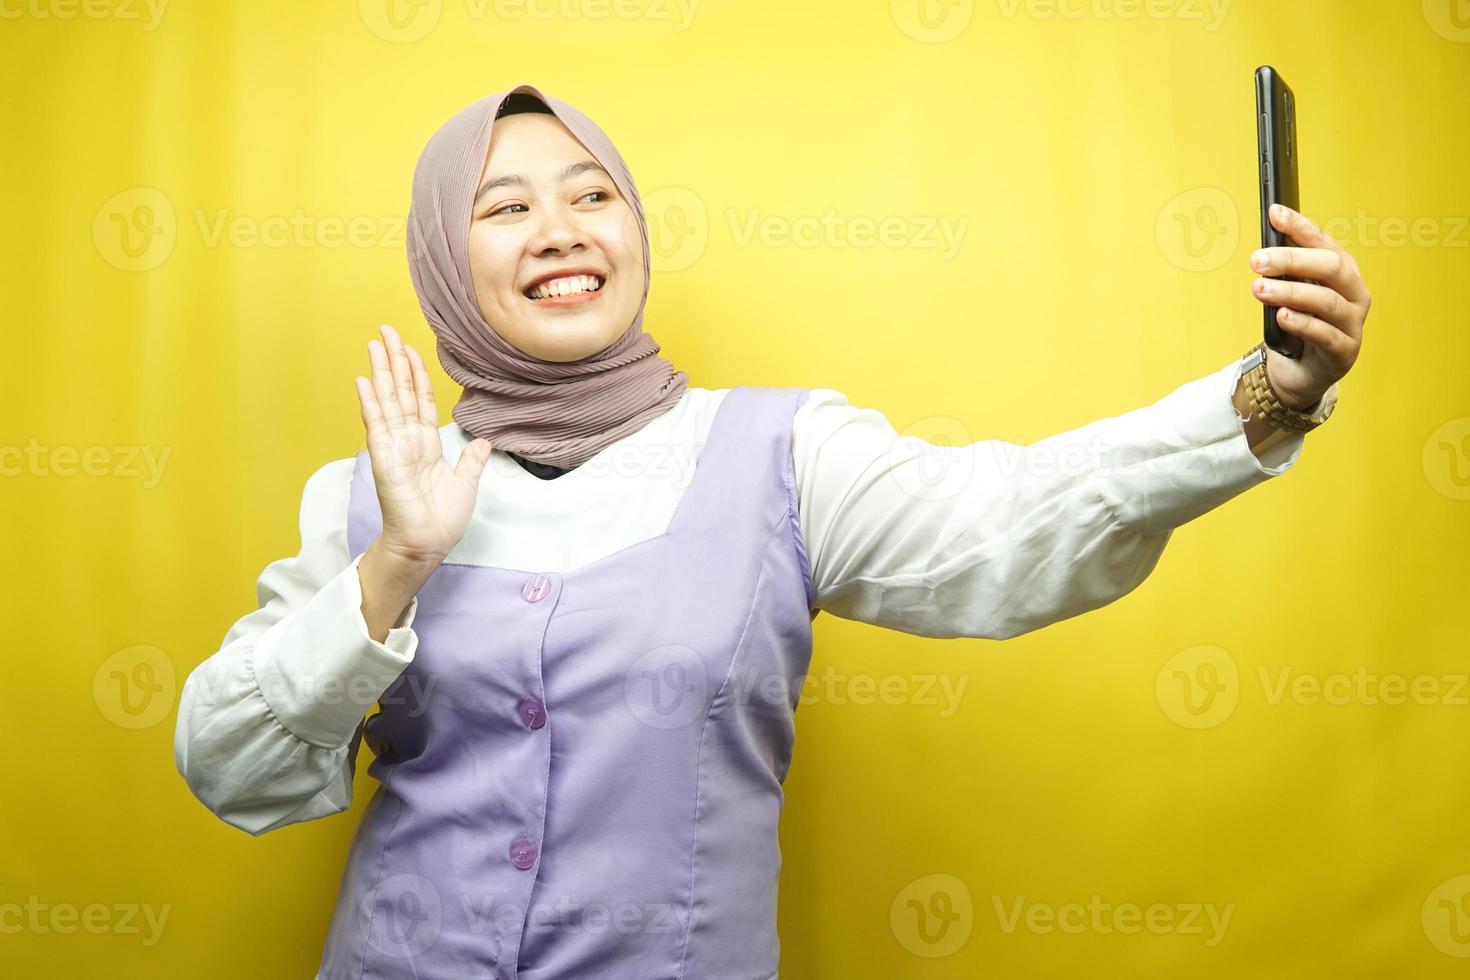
(566, 286)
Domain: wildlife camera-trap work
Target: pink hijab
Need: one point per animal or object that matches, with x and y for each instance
(548, 412)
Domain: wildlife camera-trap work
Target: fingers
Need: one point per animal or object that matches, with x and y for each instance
(428, 411)
(1318, 256)
(1319, 333)
(1300, 229)
(472, 460)
(382, 378)
(1307, 297)
(372, 413)
(401, 374)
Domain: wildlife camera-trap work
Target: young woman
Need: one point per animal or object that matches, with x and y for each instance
(587, 663)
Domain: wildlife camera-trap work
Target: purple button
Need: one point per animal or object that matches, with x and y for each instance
(532, 711)
(523, 852)
(536, 589)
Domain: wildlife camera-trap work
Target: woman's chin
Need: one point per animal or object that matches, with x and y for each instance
(570, 342)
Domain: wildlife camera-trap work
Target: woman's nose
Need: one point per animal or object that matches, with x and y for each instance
(557, 230)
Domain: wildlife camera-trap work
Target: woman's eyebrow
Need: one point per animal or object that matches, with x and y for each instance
(572, 170)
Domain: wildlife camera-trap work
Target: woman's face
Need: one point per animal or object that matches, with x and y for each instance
(552, 211)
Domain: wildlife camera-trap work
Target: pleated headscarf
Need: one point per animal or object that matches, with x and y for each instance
(555, 413)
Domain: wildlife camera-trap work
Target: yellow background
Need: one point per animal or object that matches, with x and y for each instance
(1078, 143)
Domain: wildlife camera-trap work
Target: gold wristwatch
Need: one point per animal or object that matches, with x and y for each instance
(1263, 400)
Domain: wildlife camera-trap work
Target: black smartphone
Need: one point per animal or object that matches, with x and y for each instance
(1277, 153)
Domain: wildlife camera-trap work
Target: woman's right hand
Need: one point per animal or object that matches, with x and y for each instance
(426, 504)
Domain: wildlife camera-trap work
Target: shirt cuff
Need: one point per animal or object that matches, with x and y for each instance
(1198, 457)
(318, 669)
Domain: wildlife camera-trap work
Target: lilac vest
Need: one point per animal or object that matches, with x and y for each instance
(580, 772)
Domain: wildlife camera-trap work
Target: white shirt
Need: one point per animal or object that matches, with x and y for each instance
(987, 539)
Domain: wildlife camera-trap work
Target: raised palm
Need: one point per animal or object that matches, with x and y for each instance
(426, 503)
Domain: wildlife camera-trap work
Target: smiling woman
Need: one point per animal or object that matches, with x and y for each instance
(554, 247)
(555, 367)
(588, 683)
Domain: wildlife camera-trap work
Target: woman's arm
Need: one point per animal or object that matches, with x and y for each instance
(269, 726)
(1008, 539)
(995, 539)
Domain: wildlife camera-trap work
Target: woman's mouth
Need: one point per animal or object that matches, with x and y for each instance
(566, 291)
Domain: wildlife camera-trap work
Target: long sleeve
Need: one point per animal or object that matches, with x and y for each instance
(269, 726)
(994, 539)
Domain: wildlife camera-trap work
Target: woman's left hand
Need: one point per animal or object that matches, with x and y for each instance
(1327, 312)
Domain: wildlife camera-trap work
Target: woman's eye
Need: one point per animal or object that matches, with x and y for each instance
(505, 210)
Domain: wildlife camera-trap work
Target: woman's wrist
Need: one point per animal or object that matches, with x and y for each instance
(389, 581)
